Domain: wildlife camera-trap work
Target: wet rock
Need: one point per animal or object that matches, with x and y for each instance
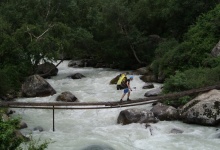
(142, 71)
(9, 112)
(82, 63)
(165, 112)
(148, 86)
(203, 110)
(136, 116)
(36, 86)
(46, 70)
(66, 97)
(153, 92)
(22, 125)
(176, 131)
(90, 62)
(148, 78)
(77, 76)
(38, 128)
(76, 63)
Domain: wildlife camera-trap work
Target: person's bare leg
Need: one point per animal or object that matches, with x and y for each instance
(123, 96)
(128, 96)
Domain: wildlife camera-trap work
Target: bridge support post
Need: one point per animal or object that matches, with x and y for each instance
(53, 120)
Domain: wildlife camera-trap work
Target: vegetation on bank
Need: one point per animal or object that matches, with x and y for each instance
(189, 64)
(117, 32)
(10, 139)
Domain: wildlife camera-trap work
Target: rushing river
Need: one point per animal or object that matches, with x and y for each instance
(87, 129)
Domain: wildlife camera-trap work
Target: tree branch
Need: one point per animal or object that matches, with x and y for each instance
(48, 11)
(124, 31)
(50, 26)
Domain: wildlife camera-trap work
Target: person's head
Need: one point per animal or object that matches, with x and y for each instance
(131, 77)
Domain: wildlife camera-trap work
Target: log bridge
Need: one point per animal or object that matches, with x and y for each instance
(102, 105)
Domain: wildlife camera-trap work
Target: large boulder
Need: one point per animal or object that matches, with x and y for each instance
(46, 70)
(76, 63)
(136, 116)
(82, 63)
(153, 92)
(148, 86)
(67, 97)
(22, 125)
(77, 76)
(143, 71)
(36, 86)
(90, 62)
(164, 112)
(148, 78)
(203, 110)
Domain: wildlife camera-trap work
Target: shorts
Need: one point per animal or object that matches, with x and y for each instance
(126, 90)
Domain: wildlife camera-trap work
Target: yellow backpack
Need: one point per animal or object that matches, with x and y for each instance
(124, 82)
(120, 79)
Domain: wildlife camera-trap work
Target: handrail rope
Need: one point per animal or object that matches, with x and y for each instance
(103, 107)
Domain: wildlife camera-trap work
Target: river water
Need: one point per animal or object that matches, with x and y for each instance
(98, 129)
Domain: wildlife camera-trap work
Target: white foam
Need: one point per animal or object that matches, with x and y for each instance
(76, 129)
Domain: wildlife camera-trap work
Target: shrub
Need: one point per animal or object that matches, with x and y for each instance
(9, 140)
(10, 79)
(191, 79)
(7, 134)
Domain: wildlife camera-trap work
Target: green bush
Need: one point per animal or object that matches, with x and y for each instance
(10, 79)
(191, 79)
(178, 102)
(8, 140)
(211, 62)
(34, 145)
(164, 58)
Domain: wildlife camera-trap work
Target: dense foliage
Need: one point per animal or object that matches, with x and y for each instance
(194, 51)
(189, 64)
(172, 35)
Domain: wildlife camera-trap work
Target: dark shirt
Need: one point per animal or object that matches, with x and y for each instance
(128, 80)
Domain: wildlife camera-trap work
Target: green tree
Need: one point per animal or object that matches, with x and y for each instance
(195, 50)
